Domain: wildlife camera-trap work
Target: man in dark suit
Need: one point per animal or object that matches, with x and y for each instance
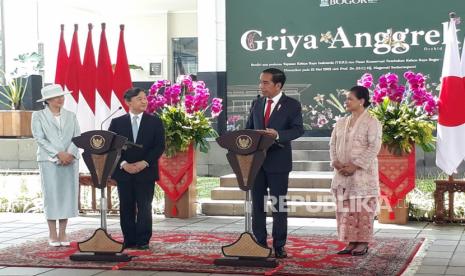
(138, 168)
(281, 117)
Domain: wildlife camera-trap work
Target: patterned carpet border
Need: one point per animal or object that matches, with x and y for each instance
(195, 251)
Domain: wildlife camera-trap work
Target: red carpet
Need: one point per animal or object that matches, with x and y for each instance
(195, 251)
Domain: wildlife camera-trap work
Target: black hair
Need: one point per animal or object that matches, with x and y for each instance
(132, 92)
(361, 92)
(278, 76)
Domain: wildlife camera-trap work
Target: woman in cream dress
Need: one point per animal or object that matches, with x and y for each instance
(53, 128)
(355, 144)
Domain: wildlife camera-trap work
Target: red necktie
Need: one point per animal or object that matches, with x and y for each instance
(268, 111)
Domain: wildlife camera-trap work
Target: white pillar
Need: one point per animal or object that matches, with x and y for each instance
(211, 18)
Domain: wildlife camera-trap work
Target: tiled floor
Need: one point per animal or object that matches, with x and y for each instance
(443, 253)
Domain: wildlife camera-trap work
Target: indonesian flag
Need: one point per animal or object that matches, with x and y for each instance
(450, 148)
(104, 83)
(62, 60)
(122, 78)
(73, 72)
(87, 84)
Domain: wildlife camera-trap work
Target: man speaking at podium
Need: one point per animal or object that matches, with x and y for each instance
(281, 117)
(138, 168)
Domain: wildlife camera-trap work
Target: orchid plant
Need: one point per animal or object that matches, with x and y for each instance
(406, 112)
(183, 108)
(325, 112)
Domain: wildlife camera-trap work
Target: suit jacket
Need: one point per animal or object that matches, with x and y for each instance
(152, 138)
(50, 137)
(286, 119)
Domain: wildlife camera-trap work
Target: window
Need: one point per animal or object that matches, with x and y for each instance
(185, 55)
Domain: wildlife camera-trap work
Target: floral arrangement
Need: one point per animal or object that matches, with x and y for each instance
(406, 112)
(183, 108)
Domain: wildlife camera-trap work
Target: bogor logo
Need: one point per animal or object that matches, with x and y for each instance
(328, 3)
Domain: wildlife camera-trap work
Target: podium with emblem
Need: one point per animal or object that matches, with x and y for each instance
(102, 150)
(246, 154)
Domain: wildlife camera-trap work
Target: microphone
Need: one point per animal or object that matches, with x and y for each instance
(111, 115)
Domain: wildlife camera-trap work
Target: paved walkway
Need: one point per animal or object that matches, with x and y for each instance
(443, 253)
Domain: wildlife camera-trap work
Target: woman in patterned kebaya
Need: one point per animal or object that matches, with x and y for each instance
(355, 143)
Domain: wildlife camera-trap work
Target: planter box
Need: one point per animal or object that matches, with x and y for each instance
(178, 178)
(186, 206)
(400, 213)
(15, 123)
(396, 180)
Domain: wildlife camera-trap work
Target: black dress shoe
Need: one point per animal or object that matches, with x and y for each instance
(143, 247)
(360, 253)
(348, 249)
(344, 251)
(280, 252)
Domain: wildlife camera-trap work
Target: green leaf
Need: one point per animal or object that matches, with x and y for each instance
(404, 125)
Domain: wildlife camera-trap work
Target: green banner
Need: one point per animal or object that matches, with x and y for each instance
(324, 46)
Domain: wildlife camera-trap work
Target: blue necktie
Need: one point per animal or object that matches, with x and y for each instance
(135, 128)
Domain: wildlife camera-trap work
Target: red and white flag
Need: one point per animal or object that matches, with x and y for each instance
(104, 83)
(122, 77)
(450, 147)
(72, 74)
(87, 86)
(62, 60)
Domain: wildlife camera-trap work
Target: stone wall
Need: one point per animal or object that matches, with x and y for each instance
(18, 154)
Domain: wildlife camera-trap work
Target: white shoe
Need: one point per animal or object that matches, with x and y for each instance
(54, 243)
(65, 243)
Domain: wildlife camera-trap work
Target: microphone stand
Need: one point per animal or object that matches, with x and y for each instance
(111, 115)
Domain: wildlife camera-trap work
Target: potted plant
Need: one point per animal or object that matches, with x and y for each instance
(186, 111)
(14, 122)
(407, 113)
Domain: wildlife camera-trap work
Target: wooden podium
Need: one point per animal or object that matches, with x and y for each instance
(246, 154)
(102, 150)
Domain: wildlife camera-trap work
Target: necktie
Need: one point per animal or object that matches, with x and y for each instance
(268, 111)
(135, 128)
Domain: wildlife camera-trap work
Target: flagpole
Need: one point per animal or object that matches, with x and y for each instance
(103, 202)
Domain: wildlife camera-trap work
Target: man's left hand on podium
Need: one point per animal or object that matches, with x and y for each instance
(272, 132)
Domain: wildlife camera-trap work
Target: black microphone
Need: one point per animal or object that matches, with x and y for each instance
(111, 115)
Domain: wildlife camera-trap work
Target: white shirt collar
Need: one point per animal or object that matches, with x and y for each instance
(277, 97)
(139, 116)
